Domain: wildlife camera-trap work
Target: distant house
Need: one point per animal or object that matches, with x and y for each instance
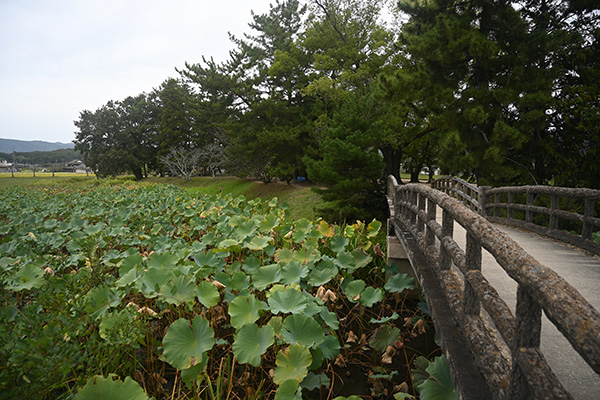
(76, 166)
(5, 166)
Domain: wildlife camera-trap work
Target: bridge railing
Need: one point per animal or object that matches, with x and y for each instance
(460, 189)
(536, 208)
(507, 349)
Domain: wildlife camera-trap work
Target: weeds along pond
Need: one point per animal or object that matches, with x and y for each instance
(147, 290)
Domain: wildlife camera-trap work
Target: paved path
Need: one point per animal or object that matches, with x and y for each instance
(581, 271)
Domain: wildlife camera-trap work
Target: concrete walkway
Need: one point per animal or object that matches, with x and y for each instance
(579, 269)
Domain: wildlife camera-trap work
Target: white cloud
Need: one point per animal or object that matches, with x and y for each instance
(60, 57)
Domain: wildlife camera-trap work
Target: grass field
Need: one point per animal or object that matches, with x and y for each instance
(301, 199)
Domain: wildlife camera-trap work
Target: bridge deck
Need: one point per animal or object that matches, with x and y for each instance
(580, 270)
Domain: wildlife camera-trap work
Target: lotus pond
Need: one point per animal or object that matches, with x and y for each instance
(138, 291)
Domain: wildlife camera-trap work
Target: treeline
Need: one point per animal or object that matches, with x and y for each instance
(500, 92)
(42, 158)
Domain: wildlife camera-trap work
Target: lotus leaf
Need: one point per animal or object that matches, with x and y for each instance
(164, 260)
(259, 243)
(373, 228)
(100, 299)
(28, 277)
(185, 342)
(287, 301)
(384, 337)
(289, 390)
(99, 387)
(303, 330)
(302, 227)
(180, 290)
(345, 261)
(330, 347)
(251, 342)
(322, 273)
(338, 244)
(152, 280)
(330, 318)
(439, 385)
(399, 283)
(370, 296)
(292, 363)
(208, 294)
(293, 272)
(267, 275)
(313, 381)
(244, 310)
(239, 281)
(353, 289)
(361, 259)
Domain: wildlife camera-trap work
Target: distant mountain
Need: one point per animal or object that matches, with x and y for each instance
(23, 146)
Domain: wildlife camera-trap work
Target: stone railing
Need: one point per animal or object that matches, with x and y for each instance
(504, 348)
(536, 208)
(460, 189)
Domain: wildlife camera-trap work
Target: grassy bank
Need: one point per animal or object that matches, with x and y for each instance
(301, 199)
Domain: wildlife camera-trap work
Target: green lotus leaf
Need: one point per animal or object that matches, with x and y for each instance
(317, 358)
(384, 320)
(306, 254)
(100, 299)
(360, 258)
(345, 261)
(164, 260)
(185, 342)
(384, 336)
(99, 387)
(192, 373)
(289, 390)
(284, 256)
(28, 277)
(330, 318)
(152, 280)
(313, 381)
(399, 283)
(353, 289)
(265, 276)
(229, 245)
(269, 223)
(373, 228)
(287, 301)
(180, 290)
(208, 294)
(322, 273)
(259, 243)
(439, 385)
(301, 228)
(330, 347)
(244, 310)
(299, 328)
(245, 229)
(292, 363)
(293, 272)
(276, 323)
(130, 262)
(338, 244)
(251, 342)
(371, 296)
(239, 281)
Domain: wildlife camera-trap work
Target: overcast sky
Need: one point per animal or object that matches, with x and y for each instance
(60, 57)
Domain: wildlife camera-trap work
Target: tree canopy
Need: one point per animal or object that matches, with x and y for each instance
(345, 92)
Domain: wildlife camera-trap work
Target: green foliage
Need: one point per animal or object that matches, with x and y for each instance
(98, 388)
(145, 281)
